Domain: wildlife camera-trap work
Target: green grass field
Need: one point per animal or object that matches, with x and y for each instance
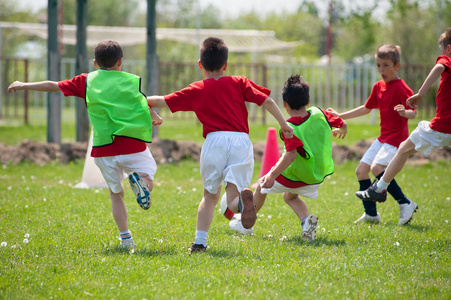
(59, 242)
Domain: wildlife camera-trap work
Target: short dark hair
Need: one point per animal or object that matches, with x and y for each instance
(445, 38)
(296, 92)
(213, 54)
(389, 51)
(107, 53)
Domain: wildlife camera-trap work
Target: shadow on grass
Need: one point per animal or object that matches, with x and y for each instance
(318, 242)
(147, 252)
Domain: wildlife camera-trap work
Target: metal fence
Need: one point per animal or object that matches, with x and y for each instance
(339, 86)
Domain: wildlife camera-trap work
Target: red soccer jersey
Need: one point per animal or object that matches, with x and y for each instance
(121, 145)
(385, 96)
(442, 120)
(220, 105)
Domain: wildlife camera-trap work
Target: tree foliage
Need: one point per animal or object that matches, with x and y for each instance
(413, 24)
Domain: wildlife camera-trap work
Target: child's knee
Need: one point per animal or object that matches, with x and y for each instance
(362, 170)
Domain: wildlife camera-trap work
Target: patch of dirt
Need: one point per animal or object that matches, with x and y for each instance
(171, 151)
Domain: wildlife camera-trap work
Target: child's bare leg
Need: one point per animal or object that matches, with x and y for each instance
(232, 197)
(119, 211)
(206, 210)
(296, 204)
(147, 181)
(259, 198)
(362, 171)
(406, 149)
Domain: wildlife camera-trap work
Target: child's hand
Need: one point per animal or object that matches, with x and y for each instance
(340, 132)
(414, 100)
(267, 181)
(157, 121)
(400, 109)
(16, 86)
(287, 131)
(332, 111)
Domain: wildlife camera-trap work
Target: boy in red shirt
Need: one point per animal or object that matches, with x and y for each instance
(428, 135)
(122, 127)
(227, 154)
(389, 95)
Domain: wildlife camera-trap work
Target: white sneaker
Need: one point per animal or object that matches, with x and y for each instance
(406, 212)
(369, 219)
(309, 228)
(235, 225)
(128, 245)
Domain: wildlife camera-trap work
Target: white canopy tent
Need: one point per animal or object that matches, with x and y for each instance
(243, 41)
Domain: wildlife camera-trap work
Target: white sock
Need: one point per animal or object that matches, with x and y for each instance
(381, 186)
(201, 237)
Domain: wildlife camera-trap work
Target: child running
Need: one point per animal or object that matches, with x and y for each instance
(307, 157)
(428, 135)
(389, 95)
(219, 102)
(122, 125)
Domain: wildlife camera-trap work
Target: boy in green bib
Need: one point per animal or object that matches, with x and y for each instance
(307, 157)
(121, 124)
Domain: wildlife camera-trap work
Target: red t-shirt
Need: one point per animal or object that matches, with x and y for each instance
(220, 105)
(121, 145)
(385, 96)
(296, 143)
(442, 120)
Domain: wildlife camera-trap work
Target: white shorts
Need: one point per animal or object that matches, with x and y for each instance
(113, 167)
(309, 191)
(226, 156)
(379, 153)
(427, 139)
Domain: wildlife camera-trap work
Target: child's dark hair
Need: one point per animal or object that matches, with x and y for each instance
(107, 53)
(213, 54)
(445, 38)
(389, 51)
(296, 92)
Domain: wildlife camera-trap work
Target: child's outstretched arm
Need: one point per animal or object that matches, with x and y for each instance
(156, 119)
(435, 73)
(156, 101)
(268, 180)
(353, 113)
(41, 86)
(274, 110)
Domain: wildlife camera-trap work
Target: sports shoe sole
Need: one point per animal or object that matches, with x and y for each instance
(310, 234)
(140, 189)
(249, 214)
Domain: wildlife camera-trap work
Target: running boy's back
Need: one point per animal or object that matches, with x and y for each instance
(227, 154)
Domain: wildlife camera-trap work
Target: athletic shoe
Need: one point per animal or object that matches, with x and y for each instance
(370, 194)
(366, 218)
(249, 214)
(235, 225)
(128, 244)
(141, 190)
(309, 228)
(197, 248)
(406, 212)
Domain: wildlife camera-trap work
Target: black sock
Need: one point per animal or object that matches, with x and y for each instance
(369, 206)
(395, 190)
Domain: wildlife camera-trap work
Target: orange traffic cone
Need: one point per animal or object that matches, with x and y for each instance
(271, 154)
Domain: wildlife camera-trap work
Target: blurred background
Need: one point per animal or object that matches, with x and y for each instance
(331, 43)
